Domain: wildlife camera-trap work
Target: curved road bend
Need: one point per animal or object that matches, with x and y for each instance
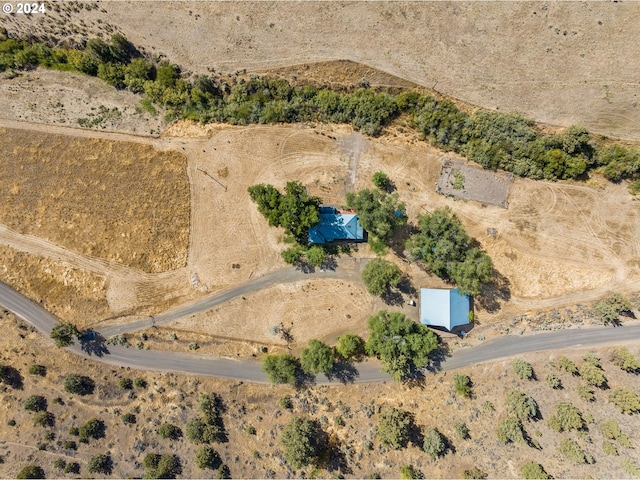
(494, 349)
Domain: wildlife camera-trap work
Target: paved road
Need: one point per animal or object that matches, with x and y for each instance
(500, 347)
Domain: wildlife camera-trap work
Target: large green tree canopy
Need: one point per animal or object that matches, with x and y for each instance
(379, 213)
(400, 343)
(295, 210)
(443, 245)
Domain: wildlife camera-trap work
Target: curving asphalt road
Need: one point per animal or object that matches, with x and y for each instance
(367, 372)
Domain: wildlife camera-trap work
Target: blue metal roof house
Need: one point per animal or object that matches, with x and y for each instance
(335, 225)
(443, 308)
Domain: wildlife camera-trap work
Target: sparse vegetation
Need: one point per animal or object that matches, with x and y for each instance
(630, 467)
(302, 441)
(461, 430)
(394, 426)
(462, 385)
(533, 471)
(623, 358)
(433, 443)
(523, 369)
(566, 417)
(626, 400)
(571, 450)
(521, 405)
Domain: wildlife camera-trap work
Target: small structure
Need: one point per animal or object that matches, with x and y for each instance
(336, 226)
(444, 308)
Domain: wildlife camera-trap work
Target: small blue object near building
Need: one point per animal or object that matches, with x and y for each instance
(336, 226)
(444, 308)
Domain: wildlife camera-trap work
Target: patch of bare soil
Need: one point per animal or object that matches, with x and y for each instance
(306, 310)
(348, 414)
(120, 201)
(70, 293)
(75, 100)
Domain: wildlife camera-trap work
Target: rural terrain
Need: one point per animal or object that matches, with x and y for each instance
(119, 220)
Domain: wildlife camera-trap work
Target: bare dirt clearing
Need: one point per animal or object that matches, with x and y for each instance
(558, 62)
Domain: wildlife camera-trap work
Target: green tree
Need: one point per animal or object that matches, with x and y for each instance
(168, 430)
(281, 368)
(380, 213)
(533, 471)
(394, 427)
(317, 357)
(400, 343)
(79, 385)
(461, 430)
(610, 309)
(72, 467)
(510, 430)
(474, 473)
(315, 256)
(611, 430)
(571, 450)
(409, 472)
(35, 403)
(350, 346)
(302, 441)
(207, 458)
(553, 381)
(381, 180)
(125, 383)
(462, 385)
(44, 419)
(379, 275)
(567, 365)
(31, 471)
(433, 444)
(40, 370)
(100, 463)
(292, 254)
(444, 247)
(626, 400)
(523, 369)
(623, 358)
(521, 405)
(566, 417)
(592, 375)
(169, 466)
(94, 428)
(63, 333)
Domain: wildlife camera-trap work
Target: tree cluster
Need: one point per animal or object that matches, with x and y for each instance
(295, 210)
(401, 344)
(209, 427)
(444, 247)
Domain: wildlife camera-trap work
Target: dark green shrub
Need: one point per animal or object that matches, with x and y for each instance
(170, 431)
(59, 464)
(433, 443)
(125, 383)
(394, 427)
(207, 458)
(128, 419)
(523, 369)
(521, 405)
(566, 417)
(40, 370)
(31, 471)
(302, 441)
(533, 471)
(43, 419)
(462, 385)
(72, 467)
(78, 384)
(35, 403)
(100, 464)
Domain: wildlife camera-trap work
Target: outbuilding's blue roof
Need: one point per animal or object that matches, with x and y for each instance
(334, 225)
(443, 307)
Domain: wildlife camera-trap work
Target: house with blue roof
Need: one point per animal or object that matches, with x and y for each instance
(336, 226)
(446, 308)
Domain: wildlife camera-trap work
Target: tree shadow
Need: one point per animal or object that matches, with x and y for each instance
(392, 297)
(437, 358)
(406, 286)
(415, 378)
(329, 263)
(400, 237)
(11, 376)
(95, 345)
(335, 459)
(305, 267)
(492, 294)
(344, 372)
(304, 379)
